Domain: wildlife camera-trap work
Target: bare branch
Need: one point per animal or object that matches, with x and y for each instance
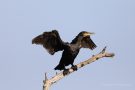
(59, 76)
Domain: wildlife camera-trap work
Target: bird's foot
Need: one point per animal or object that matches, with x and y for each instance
(74, 67)
(65, 72)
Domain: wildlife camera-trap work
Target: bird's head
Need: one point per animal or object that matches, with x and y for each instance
(85, 33)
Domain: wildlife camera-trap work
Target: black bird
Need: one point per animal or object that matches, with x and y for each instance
(52, 42)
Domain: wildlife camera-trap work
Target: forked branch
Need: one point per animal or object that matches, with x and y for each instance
(59, 76)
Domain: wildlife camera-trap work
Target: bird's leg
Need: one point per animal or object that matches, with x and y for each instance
(66, 71)
(74, 67)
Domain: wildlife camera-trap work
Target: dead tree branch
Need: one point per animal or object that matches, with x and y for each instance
(59, 76)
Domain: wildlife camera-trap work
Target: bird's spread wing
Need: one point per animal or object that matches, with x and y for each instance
(88, 43)
(51, 41)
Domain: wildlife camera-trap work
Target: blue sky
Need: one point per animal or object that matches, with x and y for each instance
(22, 65)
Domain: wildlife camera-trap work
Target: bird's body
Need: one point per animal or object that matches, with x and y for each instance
(53, 43)
(68, 56)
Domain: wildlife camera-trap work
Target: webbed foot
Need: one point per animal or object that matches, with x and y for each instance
(65, 72)
(74, 67)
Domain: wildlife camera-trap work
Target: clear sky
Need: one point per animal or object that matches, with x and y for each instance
(22, 65)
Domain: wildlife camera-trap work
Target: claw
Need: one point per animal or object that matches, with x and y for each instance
(74, 67)
(65, 72)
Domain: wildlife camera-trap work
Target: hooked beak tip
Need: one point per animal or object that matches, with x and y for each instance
(91, 33)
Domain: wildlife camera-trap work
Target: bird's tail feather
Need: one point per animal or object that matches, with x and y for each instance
(59, 67)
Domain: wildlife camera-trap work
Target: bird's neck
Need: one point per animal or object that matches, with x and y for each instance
(79, 40)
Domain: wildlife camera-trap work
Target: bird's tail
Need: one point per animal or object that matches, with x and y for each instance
(60, 67)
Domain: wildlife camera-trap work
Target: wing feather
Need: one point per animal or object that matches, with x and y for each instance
(88, 43)
(51, 41)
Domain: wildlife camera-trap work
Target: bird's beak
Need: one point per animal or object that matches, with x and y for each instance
(91, 33)
(88, 33)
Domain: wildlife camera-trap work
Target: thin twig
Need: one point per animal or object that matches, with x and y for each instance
(59, 76)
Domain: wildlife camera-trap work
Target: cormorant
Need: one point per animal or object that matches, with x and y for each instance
(52, 42)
